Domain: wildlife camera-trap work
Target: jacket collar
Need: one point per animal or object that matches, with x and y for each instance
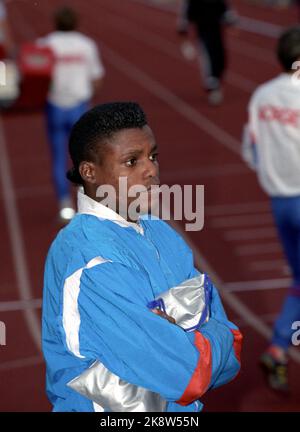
(87, 205)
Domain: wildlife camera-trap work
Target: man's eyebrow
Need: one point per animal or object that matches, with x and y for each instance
(138, 151)
(131, 152)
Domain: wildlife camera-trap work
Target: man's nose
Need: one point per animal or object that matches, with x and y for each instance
(150, 169)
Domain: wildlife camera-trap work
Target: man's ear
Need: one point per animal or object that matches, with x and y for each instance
(88, 172)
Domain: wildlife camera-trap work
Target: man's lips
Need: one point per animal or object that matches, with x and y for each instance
(143, 189)
(153, 190)
(154, 186)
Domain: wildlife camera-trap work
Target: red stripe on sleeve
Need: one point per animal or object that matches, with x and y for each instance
(202, 375)
(237, 343)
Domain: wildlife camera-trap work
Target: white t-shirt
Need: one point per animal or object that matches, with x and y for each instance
(77, 65)
(273, 132)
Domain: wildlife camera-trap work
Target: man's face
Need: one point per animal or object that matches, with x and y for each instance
(130, 154)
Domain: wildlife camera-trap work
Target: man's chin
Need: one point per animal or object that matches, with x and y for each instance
(144, 205)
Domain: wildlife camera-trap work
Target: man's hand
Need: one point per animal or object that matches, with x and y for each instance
(163, 315)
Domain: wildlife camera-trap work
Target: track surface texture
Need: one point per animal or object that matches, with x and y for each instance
(199, 144)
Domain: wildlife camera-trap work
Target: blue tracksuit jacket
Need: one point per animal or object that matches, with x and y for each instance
(99, 278)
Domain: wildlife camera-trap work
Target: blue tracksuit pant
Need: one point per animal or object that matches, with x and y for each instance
(286, 212)
(59, 125)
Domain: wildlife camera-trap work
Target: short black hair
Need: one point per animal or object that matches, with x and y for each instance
(97, 126)
(288, 47)
(65, 19)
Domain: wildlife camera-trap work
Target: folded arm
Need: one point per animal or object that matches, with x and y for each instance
(141, 348)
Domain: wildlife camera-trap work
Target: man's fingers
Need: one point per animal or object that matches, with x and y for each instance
(164, 315)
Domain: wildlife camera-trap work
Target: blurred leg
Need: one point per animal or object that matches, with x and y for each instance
(213, 56)
(72, 116)
(287, 216)
(76, 112)
(58, 145)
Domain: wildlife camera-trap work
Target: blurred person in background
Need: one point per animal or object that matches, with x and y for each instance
(208, 18)
(9, 74)
(271, 146)
(78, 74)
(7, 47)
(297, 3)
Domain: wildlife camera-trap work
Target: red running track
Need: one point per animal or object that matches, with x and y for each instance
(198, 145)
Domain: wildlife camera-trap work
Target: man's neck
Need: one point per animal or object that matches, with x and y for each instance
(92, 195)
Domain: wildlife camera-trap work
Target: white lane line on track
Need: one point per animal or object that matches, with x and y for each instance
(258, 249)
(250, 234)
(186, 174)
(32, 192)
(16, 240)
(258, 27)
(242, 221)
(21, 363)
(20, 305)
(250, 25)
(257, 285)
(237, 208)
(268, 265)
(251, 51)
(266, 318)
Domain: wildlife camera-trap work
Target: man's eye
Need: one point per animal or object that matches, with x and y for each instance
(130, 162)
(154, 157)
